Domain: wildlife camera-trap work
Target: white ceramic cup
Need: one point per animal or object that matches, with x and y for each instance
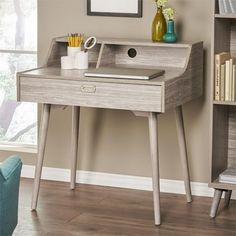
(67, 63)
(81, 60)
(72, 51)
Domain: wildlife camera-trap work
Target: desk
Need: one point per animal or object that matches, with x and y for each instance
(182, 82)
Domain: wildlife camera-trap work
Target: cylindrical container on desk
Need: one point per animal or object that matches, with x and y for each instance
(81, 60)
(67, 63)
(72, 51)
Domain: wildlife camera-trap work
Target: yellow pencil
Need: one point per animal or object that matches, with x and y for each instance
(75, 40)
(68, 39)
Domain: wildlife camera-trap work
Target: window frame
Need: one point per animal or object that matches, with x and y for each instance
(18, 147)
(14, 146)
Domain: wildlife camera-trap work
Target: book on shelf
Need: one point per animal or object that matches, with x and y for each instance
(229, 80)
(222, 82)
(228, 176)
(227, 6)
(225, 77)
(233, 84)
(220, 60)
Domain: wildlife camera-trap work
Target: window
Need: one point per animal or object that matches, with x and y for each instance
(18, 51)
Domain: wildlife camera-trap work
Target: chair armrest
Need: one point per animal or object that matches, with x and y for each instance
(8, 167)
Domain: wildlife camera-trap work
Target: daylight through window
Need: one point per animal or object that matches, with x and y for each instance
(18, 51)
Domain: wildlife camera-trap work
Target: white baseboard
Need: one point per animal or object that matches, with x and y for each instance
(119, 181)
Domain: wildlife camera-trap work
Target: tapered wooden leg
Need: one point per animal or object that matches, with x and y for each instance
(183, 151)
(228, 195)
(216, 202)
(155, 165)
(74, 145)
(41, 150)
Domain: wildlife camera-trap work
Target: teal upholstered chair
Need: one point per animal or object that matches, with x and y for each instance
(10, 171)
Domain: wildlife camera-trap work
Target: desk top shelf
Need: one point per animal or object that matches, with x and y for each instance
(133, 42)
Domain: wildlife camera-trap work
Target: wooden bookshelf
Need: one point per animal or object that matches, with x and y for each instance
(223, 112)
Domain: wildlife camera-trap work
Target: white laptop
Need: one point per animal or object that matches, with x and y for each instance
(124, 73)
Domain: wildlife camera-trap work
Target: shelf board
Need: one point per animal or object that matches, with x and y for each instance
(224, 103)
(218, 185)
(226, 16)
(133, 42)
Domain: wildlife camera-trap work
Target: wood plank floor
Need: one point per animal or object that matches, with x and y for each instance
(100, 211)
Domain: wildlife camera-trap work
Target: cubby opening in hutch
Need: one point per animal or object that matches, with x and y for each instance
(59, 49)
(141, 56)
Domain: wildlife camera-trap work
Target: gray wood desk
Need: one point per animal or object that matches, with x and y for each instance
(182, 82)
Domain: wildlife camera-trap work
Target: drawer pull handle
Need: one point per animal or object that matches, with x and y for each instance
(88, 88)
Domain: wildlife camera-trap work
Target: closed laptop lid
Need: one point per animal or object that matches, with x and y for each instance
(124, 73)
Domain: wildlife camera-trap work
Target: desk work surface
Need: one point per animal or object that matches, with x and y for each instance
(182, 81)
(78, 75)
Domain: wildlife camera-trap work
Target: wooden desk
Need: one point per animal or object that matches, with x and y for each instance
(181, 83)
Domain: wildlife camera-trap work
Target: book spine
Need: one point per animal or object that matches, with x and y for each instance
(231, 78)
(227, 81)
(217, 77)
(222, 83)
(234, 6)
(221, 6)
(228, 8)
(231, 6)
(233, 83)
(225, 6)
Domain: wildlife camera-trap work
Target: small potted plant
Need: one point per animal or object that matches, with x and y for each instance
(159, 23)
(170, 36)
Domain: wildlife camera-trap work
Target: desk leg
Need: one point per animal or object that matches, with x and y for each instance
(228, 195)
(183, 151)
(153, 135)
(74, 145)
(216, 202)
(41, 150)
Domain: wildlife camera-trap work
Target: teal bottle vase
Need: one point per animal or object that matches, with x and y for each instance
(170, 36)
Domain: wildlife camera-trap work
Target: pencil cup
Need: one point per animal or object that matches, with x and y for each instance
(67, 63)
(81, 60)
(72, 51)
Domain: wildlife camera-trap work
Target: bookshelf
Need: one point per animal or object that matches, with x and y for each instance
(223, 112)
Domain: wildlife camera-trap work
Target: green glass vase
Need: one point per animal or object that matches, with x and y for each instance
(159, 27)
(170, 36)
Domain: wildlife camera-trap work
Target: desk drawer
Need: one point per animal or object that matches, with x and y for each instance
(91, 94)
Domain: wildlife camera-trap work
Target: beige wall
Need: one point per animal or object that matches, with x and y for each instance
(117, 141)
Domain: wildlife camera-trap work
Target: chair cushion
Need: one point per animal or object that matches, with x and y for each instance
(9, 192)
(9, 166)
